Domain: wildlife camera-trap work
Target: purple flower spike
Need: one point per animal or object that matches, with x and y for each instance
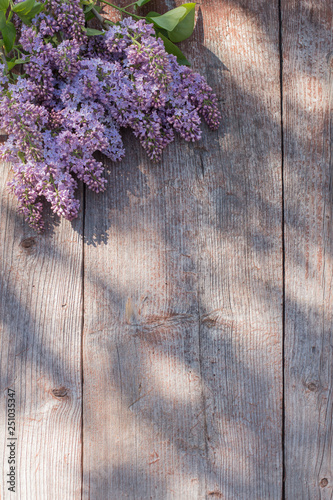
(78, 92)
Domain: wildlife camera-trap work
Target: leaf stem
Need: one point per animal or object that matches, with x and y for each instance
(130, 5)
(123, 11)
(100, 18)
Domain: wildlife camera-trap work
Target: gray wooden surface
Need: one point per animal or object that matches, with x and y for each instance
(307, 109)
(40, 353)
(174, 342)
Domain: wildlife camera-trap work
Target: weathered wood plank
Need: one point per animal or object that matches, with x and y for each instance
(40, 341)
(183, 292)
(240, 242)
(143, 425)
(307, 98)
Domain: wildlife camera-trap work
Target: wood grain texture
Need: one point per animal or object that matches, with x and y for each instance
(182, 337)
(307, 110)
(240, 261)
(143, 410)
(40, 340)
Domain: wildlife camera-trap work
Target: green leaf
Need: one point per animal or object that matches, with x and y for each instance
(185, 27)
(169, 20)
(171, 48)
(157, 28)
(24, 19)
(92, 32)
(152, 14)
(88, 8)
(4, 4)
(140, 3)
(3, 20)
(55, 40)
(9, 35)
(24, 7)
(37, 8)
(10, 65)
(89, 15)
(14, 62)
(21, 155)
(159, 31)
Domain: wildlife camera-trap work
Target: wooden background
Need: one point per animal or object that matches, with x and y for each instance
(175, 341)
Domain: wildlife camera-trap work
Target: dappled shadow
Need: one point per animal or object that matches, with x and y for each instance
(130, 183)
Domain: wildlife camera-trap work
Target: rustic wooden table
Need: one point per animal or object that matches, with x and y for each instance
(175, 341)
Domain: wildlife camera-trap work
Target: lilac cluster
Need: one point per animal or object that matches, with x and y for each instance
(78, 92)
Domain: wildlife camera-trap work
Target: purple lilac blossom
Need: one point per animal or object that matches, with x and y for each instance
(78, 92)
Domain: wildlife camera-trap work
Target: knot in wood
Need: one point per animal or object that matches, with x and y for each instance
(329, 58)
(61, 392)
(28, 242)
(324, 482)
(215, 493)
(312, 386)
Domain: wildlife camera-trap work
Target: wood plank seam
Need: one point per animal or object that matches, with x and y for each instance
(283, 493)
(82, 332)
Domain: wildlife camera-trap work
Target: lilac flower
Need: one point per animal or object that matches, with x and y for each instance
(3, 77)
(66, 58)
(78, 92)
(69, 17)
